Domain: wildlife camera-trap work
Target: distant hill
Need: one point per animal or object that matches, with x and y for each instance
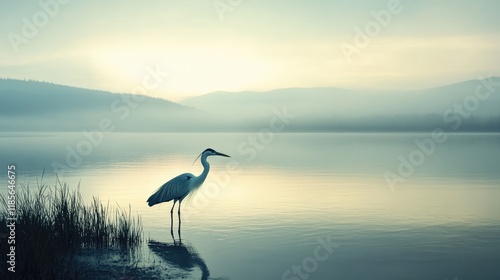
(40, 106)
(327, 109)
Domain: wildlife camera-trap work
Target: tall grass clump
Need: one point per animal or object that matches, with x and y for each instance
(54, 224)
(129, 229)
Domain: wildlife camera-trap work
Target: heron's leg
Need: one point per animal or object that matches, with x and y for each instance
(172, 218)
(179, 211)
(172, 210)
(180, 237)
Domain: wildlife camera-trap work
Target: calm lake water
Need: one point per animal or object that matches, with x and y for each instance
(293, 206)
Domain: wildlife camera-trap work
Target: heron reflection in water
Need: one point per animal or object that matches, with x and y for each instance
(181, 256)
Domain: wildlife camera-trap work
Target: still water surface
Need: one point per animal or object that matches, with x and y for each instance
(263, 213)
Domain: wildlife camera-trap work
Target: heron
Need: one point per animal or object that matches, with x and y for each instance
(181, 186)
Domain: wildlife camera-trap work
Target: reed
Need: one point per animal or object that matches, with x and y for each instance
(54, 224)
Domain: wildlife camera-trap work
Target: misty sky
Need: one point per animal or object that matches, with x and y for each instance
(251, 45)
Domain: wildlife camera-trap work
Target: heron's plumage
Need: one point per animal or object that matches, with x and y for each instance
(176, 188)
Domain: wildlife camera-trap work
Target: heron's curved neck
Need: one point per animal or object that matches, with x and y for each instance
(206, 168)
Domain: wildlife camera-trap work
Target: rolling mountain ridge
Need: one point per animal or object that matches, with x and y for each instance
(39, 106)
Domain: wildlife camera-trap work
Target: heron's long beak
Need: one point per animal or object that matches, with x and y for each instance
(216, 153)
(221, 154)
